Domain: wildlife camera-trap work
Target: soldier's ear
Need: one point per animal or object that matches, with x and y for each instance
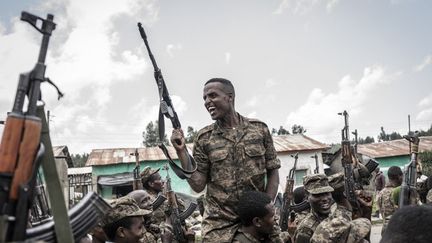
(257, 222)
(120, 232)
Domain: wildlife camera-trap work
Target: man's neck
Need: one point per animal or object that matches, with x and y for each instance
(231, 120)
(252, 231)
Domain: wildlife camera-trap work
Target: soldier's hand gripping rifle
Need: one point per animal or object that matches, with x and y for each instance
(20, 149)
(166, 108)
(408, 191)
(177, 218)
(137, 184)
(347, 164)
(286, 210)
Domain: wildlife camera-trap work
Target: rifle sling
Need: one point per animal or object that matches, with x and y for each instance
(179, 171)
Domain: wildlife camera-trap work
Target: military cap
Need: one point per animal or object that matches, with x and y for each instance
(336, 180)
(121, 208)
(147, 172)
(316, 184)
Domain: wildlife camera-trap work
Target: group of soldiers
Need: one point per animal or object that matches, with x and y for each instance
(237, 171)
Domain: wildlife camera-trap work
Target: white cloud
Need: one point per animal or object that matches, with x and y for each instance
(252, 102)
(426, 108)
(227, 57)
(269, 83)
(301, 7)
(426, 61)
(83, 58)
(171, 48)
(351, 96)
(253, 114)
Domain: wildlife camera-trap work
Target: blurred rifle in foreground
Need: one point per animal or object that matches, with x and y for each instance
(286, 210)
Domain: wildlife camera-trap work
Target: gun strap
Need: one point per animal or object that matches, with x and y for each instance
(55, 192)
(179, 171)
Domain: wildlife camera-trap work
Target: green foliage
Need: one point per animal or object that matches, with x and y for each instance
(383, 136)
(366, 140)
(79, 160)
(426, 133)
(151, 135)
(298, 129)
(191, 134)
(280, 131)
(426, 159)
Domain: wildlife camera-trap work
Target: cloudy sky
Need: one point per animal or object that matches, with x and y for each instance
(291, 61)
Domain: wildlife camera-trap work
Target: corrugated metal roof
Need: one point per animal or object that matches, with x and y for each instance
(297, 142)
(284, 143)
(393, 148)
(80, 170)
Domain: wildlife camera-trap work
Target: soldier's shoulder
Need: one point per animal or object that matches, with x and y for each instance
(205, 131)
(256, 121)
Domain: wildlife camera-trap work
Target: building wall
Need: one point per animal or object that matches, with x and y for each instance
(177, 184)
(387, 162)
(305, 165)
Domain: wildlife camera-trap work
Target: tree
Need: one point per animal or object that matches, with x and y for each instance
(151, 135)
(191, 134)
(280, 131)
(366, 140)
(79, 160)
(426, 133)
(298, 129)
(383, 136)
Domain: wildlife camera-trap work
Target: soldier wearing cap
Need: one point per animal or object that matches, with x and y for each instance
(318, 192)
(338, 230)
(124, 223)
(342, 207)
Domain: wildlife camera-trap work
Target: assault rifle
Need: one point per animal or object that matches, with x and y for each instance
(83, 217)
(286, 210)
(408, 191)
(316, 171)
(137, 184)
(21, 150)
(166, 108)
(347, 164)
(177, 218)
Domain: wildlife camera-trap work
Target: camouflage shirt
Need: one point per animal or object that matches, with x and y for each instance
(333, 228)
(306, 228)
(235, 161)
(244, 237)
(385, 201)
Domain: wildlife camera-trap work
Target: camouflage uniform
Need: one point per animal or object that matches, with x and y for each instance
(340, 229)
(429, 197)
(157, 221)
(314, 184)
(244, 237)
(385, 203)
(235, 161)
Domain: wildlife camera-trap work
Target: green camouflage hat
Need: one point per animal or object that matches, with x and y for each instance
(316, 184)
(359, 229)
(336, 180)
(147, 172)
(121, 208)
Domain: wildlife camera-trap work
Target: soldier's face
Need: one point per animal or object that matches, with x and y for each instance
(157, 184)
(321, 203)
(267, 222)
(135, 232)
(145, 201)
(216, 101)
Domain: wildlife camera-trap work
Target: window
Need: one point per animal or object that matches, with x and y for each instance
(299, 177)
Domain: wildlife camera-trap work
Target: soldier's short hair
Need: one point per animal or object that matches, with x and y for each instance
(299, 195)
(409, 224)
(394, 172)
(252, 204)
(228, 86)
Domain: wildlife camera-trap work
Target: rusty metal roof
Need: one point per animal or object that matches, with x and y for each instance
(297, 142)
(393, 148)
(284, 143)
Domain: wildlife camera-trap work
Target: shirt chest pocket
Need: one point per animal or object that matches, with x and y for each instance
(220, 168)
(255, 157)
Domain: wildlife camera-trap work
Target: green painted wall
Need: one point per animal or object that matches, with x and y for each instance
(177, 184)
(387, 162)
